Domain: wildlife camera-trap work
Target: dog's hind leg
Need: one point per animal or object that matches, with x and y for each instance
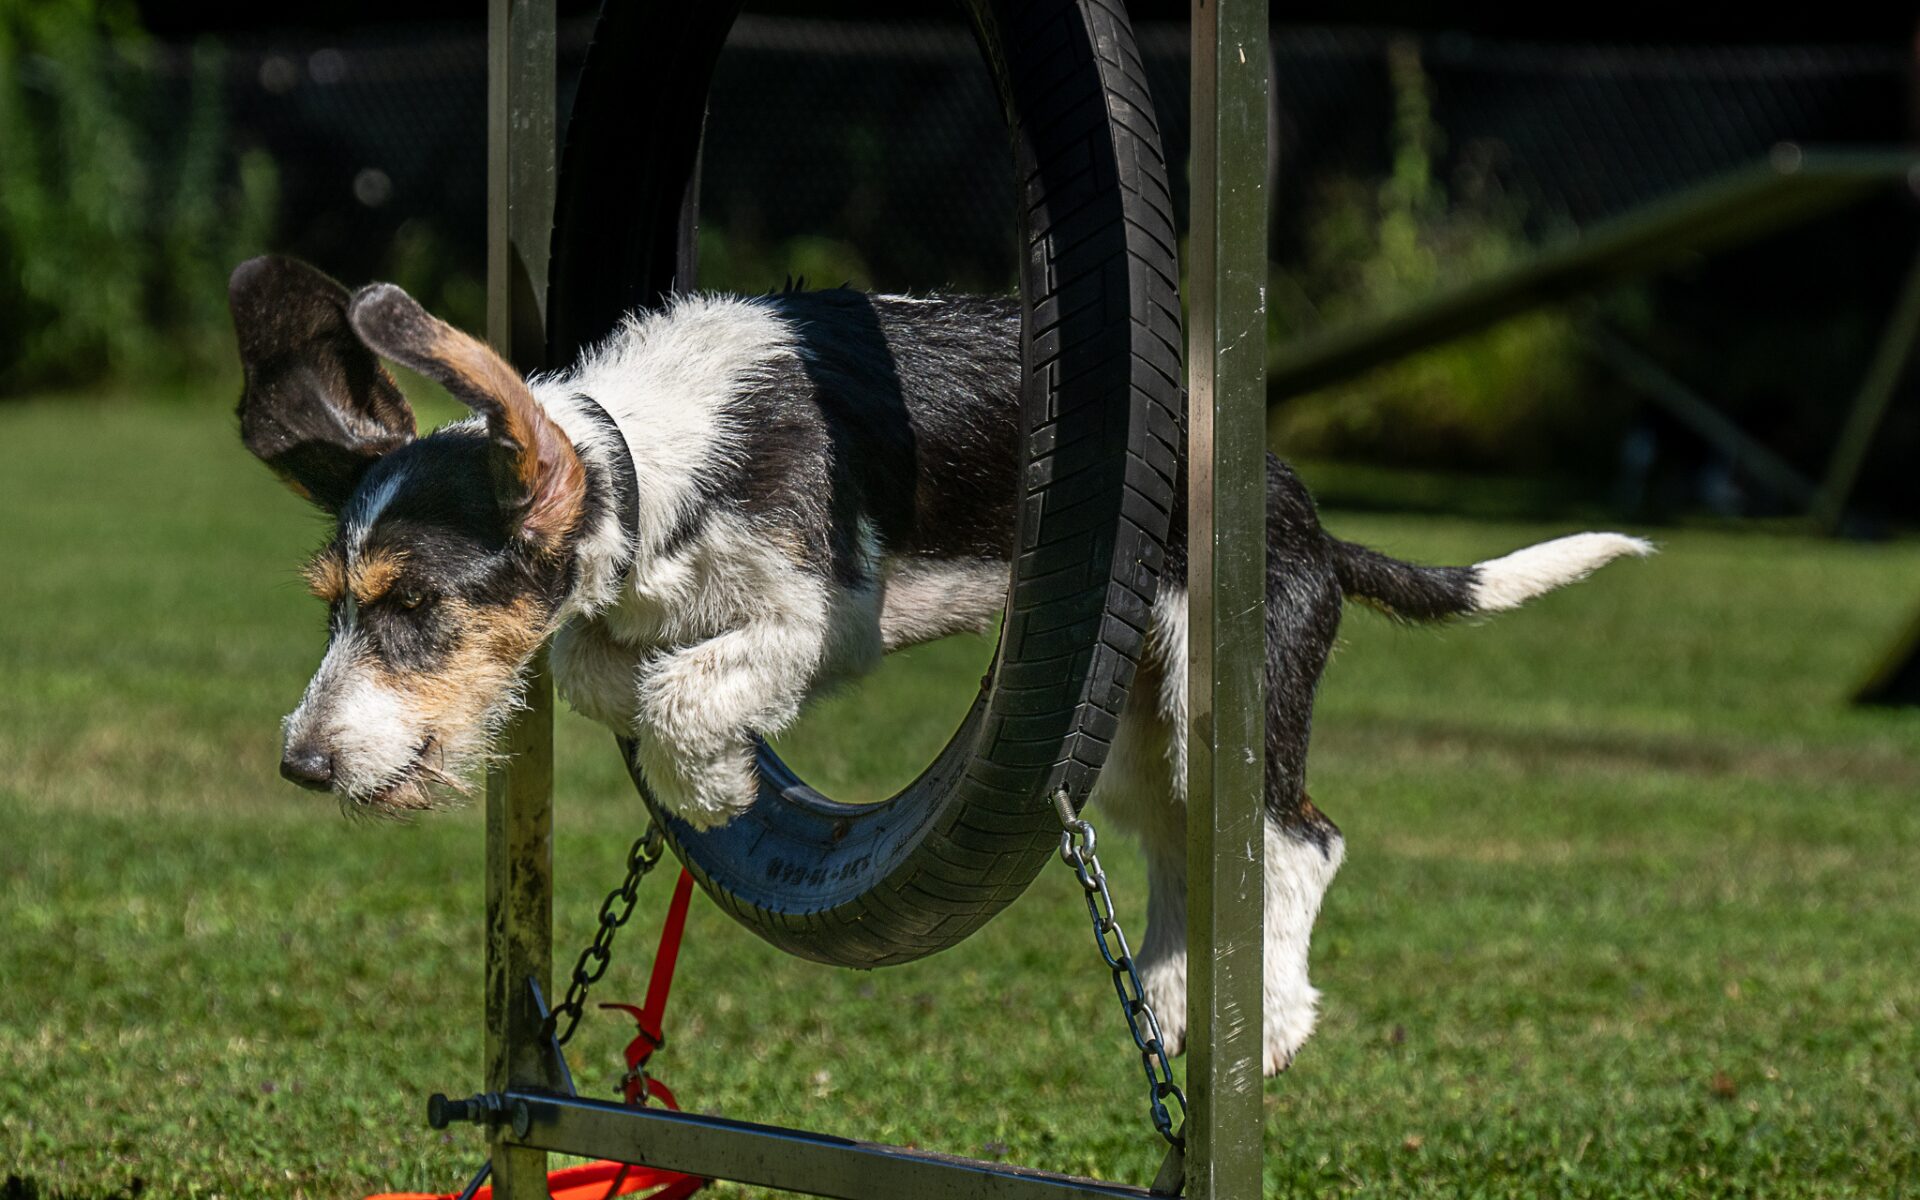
(1143, 789)
(1144, 784)
(1303, 848)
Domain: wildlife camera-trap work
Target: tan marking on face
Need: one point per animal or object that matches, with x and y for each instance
(494, 642)
(369, 575)
(326, 575)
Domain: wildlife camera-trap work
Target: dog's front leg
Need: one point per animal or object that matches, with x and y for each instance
(596, 673)
(701, 707)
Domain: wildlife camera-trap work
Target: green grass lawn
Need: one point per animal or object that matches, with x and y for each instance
(1629, 910)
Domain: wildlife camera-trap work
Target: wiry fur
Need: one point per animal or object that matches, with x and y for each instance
(1508, 582)
(821, 478)
(791, 526)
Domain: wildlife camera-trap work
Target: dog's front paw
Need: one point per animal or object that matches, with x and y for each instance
(695, 748)
(705, 792)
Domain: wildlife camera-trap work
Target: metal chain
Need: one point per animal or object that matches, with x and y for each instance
(645, 854)
(1076, 850)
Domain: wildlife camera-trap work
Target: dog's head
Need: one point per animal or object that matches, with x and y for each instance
(451, 555)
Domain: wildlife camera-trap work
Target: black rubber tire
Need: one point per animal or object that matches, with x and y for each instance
(870, 885)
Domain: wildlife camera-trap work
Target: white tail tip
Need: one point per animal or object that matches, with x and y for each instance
(1504, 583)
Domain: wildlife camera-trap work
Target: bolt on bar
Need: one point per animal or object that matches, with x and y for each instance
(1226, 381)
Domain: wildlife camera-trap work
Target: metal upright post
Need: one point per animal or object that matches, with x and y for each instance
(520, 189)
(1226, 379)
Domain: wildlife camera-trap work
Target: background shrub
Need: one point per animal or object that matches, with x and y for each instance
(118, 219)
(1516, 398)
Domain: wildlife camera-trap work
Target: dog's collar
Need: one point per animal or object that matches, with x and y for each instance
(620, 481)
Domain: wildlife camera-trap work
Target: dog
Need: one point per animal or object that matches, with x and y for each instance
(726, 508)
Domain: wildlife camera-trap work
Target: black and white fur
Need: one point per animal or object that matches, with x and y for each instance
(825, 477)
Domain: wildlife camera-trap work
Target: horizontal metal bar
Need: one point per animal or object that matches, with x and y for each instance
(1791, 185)
(767, 1156)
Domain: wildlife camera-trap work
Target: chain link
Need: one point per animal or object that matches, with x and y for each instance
(1077, 842)
(1077, 851)
(615, 910)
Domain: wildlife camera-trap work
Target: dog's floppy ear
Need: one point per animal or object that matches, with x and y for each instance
(318, 407)
(537, 476)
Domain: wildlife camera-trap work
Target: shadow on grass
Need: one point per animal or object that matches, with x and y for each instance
(16, 1188)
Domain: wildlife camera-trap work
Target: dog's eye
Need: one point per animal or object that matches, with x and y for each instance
(410, 599)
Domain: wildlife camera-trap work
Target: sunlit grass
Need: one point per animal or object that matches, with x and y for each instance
(1629, 906)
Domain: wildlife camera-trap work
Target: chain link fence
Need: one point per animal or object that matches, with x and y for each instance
(874, 153)
(887, 136)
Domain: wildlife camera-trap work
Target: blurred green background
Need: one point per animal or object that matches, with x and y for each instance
(146, 146)
(1629, 905)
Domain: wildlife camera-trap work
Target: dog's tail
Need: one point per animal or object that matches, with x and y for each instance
(1414, 593)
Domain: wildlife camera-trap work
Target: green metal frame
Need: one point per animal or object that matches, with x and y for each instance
(532, 1107)
(1870, 404)
(1895, 680)
(1790, 186)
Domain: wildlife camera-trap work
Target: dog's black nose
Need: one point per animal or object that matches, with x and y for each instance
(307, 767)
